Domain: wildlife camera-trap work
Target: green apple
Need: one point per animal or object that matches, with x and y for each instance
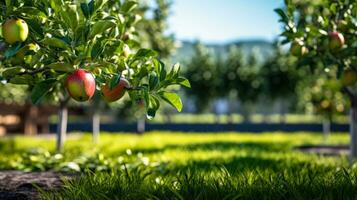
(15, 30)
(298, 49)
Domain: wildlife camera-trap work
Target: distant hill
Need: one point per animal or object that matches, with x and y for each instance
(262, 47)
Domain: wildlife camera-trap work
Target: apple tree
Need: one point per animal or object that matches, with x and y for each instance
(201, 70)
(323, 36)
(281, 78)
(64, 49)
(321, 95)
(243, 76)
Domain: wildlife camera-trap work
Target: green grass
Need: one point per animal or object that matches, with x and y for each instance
(161, 165)
(223, 119)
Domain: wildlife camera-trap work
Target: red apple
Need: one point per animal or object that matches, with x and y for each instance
(111, 95)
(298, 49)
(336, 41)
(80, 85)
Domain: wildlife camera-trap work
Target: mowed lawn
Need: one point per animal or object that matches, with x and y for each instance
(171, 165)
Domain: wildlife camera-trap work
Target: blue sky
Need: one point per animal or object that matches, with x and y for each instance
(224, 20)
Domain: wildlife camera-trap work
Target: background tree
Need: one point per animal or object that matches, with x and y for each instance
(323, 36)
(281, 78)
(248, 82)
(229, 72)
(323, 96)
(153, 26)
(201, 70)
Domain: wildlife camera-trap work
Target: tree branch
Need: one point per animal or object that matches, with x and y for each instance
(33, 72)
(351, 95)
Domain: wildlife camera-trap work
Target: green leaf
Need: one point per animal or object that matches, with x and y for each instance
(145, 53)
(56, 5)
(55, 42)
(25, 79)
(70, 16)
(8, 6)
(153, 106)
(12, 50)
(114, 81)
(61, 67)
(153, 80)
(142, 73)
(41, 89)
(160, 69)
(99, 4)
(174, 71)
(100, 27)
(163, 74)
(283, 16)
(35, 27)
(85, 10)
(173, 99)
(97, 49)
(30, 11)
(128, 6)
(11, 72)
(146, 96)
(183, 82)
(91, 7)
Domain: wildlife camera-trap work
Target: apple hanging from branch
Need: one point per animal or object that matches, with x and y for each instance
(80, 85)
(15, 30)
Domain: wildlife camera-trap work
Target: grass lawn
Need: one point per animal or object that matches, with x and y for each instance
(162, 165)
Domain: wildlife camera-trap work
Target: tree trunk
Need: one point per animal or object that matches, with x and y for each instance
(326, 128)
(30, 120)
(62, 125)
(353, 130)
(167, 115)
(230, 117)
(245, 111)
(282, 116)
(216, 118)
(140, 126)
(95, 125)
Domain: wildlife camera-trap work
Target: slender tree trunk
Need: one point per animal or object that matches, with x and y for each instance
(353, 129)
(30, 120)
(246, 113)
(326, 128)
(140, 126)
(282, 117)
(230, 113)
(95, 125)
(62, 125)
(167, 115)
(44, 123)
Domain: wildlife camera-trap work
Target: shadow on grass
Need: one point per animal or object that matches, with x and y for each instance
(252, 158)
(8, 145)
(218, 146)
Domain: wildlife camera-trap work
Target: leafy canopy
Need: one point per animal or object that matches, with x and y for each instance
(66, 35)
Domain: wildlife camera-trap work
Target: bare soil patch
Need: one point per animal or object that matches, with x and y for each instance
(23, 185)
